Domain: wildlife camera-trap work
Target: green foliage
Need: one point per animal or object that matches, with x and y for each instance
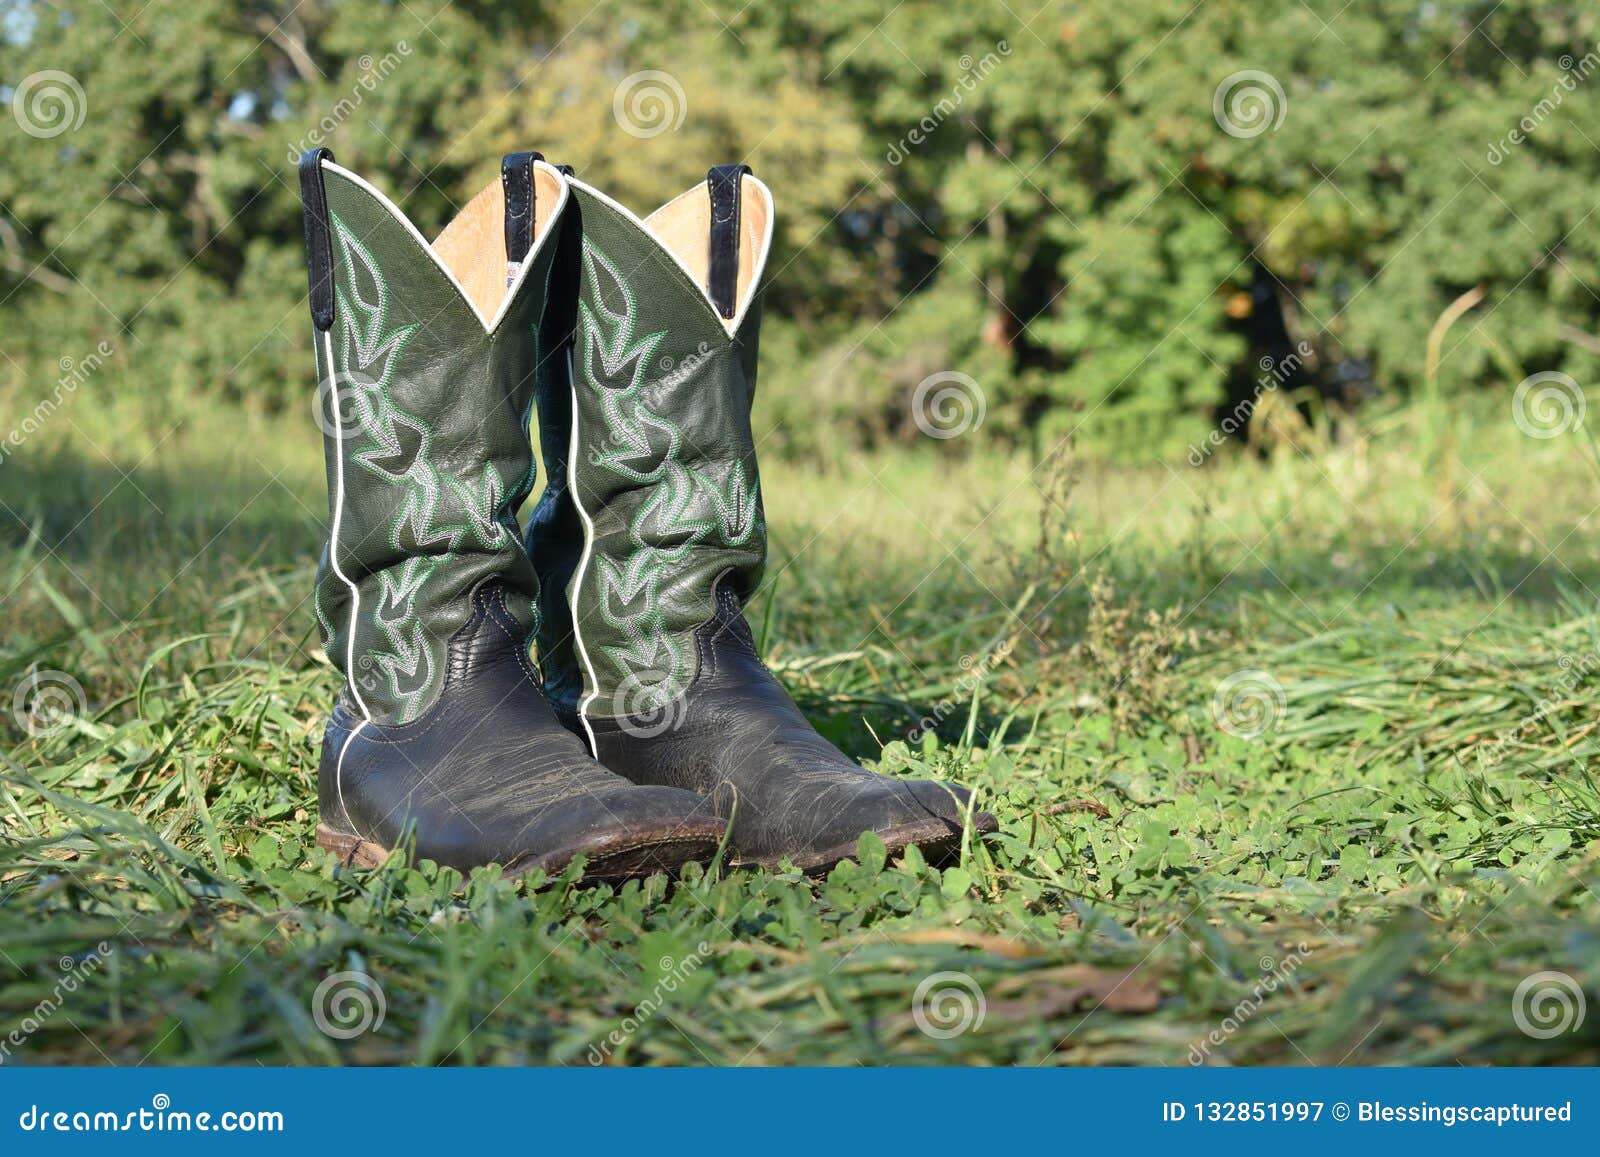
(1050, 205)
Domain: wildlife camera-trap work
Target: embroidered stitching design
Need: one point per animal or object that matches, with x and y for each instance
(685, 506)
(437, 512)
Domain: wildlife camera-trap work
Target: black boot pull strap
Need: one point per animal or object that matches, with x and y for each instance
(724, 183)
(516, 177)
(566, 170)
(319, 237)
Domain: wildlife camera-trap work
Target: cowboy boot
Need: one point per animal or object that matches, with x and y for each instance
(426, 362)
(650, 537)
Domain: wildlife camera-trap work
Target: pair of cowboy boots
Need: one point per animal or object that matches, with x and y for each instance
(651, 731)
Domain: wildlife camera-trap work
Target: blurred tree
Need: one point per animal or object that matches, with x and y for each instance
(1106, 213)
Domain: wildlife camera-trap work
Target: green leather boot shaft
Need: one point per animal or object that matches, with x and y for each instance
(662, 467)
(425, 412)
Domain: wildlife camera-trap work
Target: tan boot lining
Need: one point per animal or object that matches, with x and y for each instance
(683, 225)
(473, 245)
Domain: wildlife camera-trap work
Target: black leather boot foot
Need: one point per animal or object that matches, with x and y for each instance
(489, 776)
(737, 738)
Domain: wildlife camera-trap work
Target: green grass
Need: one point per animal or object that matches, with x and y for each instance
(1414, 830)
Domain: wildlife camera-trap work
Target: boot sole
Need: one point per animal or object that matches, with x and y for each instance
(934, 838)
(622, 858)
